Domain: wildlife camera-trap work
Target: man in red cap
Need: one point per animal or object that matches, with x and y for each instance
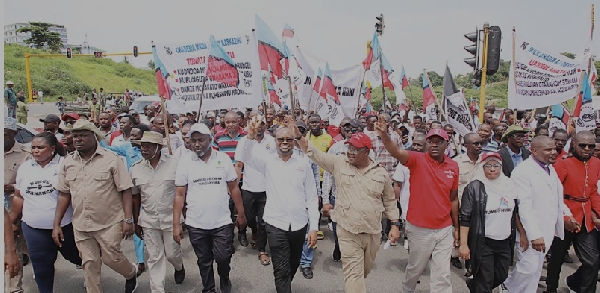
(70, 118)
(364, 190)
(432, 209)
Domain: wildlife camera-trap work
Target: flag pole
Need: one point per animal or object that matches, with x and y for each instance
(293, 106)
(166, 124)
(381, 72)
(201, 98)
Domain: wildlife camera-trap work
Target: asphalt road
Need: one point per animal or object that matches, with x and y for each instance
(247, 274)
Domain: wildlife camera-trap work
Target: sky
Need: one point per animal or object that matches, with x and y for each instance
(418, 34)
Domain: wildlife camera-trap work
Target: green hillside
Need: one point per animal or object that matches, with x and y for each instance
(69, 77)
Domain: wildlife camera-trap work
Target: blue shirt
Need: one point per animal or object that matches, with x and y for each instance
(132, 154)
(516, 158)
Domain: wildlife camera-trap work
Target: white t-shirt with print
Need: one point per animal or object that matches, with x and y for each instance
(498, 215)
(207, 195)
(37, 187)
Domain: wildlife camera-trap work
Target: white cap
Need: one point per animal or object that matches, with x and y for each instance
(199, 127)
(10, 82)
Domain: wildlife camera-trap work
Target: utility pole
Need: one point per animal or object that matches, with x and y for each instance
(486, 32)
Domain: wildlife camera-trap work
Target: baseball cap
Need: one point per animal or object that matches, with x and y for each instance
(70, 115)
(10, 82)
(200, 128)
(437, 132)
(301, 123)
(210, 114)
(490, 154)
(50, 118)
(10, 123)
(356, 123)
(360, 140)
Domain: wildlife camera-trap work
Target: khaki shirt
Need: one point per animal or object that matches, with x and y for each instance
(157, 190)
(361, 197)
(95, 187)
(466, 168)
(13, 159)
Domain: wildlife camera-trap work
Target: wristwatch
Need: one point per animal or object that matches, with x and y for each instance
(129, 220)
(398, 224)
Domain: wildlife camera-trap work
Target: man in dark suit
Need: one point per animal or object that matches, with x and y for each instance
(513, 153)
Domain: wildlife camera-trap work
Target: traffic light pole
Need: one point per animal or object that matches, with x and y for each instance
(486, 32)
(28, 72)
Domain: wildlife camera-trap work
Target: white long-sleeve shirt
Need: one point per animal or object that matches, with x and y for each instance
(291, 189)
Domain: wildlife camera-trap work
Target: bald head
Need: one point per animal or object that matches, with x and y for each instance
(232, 123)
(543, 149)
(584, 135)
(471, 137)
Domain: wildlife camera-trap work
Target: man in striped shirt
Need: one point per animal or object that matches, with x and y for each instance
(226, 141)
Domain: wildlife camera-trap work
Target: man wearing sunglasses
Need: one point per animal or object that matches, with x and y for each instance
(578, 173)
(513, 153)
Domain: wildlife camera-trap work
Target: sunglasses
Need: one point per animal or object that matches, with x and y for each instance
(489, 166)
(589, 146)
(70, 122)
(285, 139)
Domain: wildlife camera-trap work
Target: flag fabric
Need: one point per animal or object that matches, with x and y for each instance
(286, 58)
(403, 79)
(288, 31)
(560, 118)
(270, 50)
(317, 84)
(372, 52)
(428, 99)
(455, 106)
(162, 74)
(273, 97)
(220, 67)
(386, 71)
(586, 116)
(327, 88)
(593, 78)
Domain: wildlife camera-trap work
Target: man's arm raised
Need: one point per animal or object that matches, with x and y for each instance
(390, 145)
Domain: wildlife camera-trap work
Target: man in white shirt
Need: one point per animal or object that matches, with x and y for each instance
(205, 180)
(292, 201)
(154, 190)
(254, 192)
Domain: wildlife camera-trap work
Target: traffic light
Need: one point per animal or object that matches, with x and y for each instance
(69, 56)
(493, 52)
(97, 54)
(473, 49)
(380, 25)
(135, 51)
(476, 78)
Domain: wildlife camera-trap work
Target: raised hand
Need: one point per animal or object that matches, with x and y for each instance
(253, 126)
(381, 126)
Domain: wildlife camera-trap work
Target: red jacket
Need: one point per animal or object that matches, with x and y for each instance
(572, 174)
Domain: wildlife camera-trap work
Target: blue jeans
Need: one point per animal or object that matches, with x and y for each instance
(43, 252)
(307, 253)
(12, 111)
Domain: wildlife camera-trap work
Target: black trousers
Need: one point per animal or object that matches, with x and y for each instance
(586, 248)
(214, 245)
(493, 269)
(254, 207)
(286, 251)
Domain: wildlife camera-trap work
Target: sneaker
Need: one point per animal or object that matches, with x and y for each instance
(307, 272)
(243, 239)
(330, 226)
(179, 275)
(225, 285)
(131, 284)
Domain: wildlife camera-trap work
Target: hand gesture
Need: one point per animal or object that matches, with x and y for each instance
(253, 126)
(464, 252)
(291, 125)
(58, 236)
(312, 239)
(539, 244)
(381, 126)
(177, 233)
(127, 230)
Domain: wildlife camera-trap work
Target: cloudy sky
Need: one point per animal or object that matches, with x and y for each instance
(418, 34)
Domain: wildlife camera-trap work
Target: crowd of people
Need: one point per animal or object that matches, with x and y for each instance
(499, 197)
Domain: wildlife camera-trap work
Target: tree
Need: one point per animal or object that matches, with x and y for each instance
(125, 60)
(568, 55)
(42, 36)
(151, 64)
(435, 78)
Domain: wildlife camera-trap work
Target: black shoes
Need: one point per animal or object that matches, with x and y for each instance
(307, 272)
(225, 285)
(131, 284)
(456, 263)
(243, 239)
(179, 275)
(337, 254)
(25, 261)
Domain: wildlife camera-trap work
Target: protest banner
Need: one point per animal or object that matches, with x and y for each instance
(458, 114)
(540, 77)
(181, 70)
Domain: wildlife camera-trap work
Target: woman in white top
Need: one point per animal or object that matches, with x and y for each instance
(487, 224)
(35, 200)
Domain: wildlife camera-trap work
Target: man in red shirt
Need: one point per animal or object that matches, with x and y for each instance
(432, 209)
(579, 174)
(560, 137)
